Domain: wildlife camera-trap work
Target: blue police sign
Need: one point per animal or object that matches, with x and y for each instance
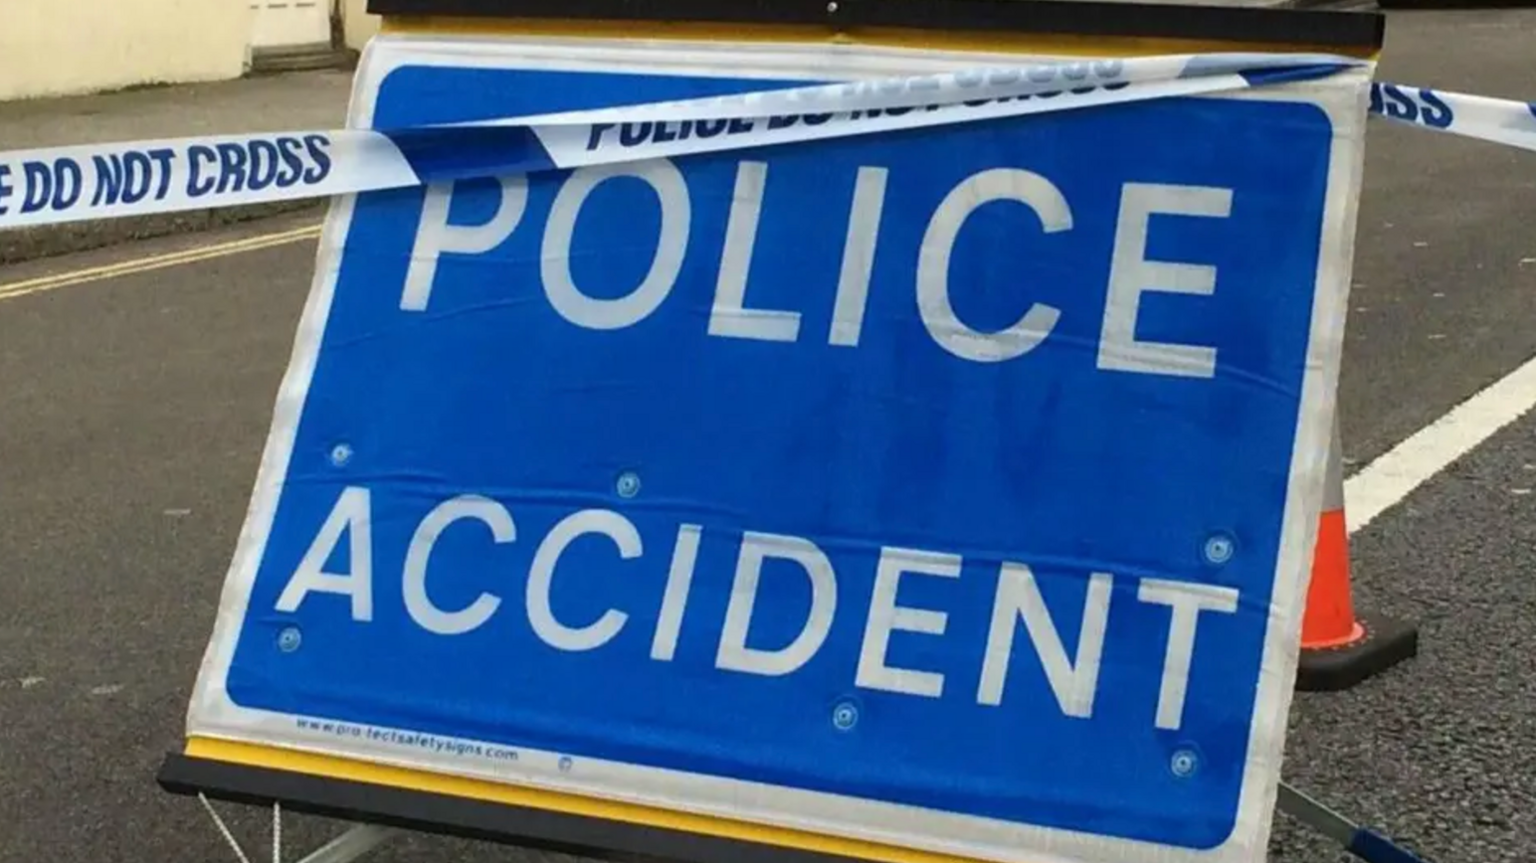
(948, 489)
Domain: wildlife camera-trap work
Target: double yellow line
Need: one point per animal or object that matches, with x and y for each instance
(157, 262)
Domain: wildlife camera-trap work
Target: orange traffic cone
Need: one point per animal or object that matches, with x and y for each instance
(1338, 648)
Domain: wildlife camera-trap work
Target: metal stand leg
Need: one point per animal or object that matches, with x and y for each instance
(349, 846)
(224, 831)
(1361, 842)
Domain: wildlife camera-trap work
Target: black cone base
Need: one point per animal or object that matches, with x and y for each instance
(1387, 642)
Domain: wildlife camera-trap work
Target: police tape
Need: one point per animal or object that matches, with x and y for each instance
(66, 184)
(1501, 121)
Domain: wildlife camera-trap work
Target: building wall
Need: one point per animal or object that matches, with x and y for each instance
(360, 26)
(59, 47)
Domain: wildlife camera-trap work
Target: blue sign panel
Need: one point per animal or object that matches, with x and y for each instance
(948, 471)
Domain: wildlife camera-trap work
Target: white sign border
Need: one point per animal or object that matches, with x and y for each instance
(212, 714)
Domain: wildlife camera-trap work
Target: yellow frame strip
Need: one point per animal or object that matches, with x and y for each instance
(349, 770)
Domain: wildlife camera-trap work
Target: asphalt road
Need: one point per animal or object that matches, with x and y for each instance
(133, 409)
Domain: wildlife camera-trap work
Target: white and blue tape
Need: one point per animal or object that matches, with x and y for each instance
(1502, 121)
(66, 184)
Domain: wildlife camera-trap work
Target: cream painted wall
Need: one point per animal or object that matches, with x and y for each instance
(57, 47)
(360, 26)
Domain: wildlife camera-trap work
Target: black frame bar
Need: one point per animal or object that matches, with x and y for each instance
(1091, 18)
(486, 821)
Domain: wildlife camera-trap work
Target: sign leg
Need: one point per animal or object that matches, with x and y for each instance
(349, 846)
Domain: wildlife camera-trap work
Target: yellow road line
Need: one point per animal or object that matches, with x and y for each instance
(157, 262)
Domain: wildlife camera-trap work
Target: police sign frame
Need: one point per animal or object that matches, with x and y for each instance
(222, 762)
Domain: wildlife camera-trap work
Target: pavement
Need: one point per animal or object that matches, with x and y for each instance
(135, 405)
(1441, 752)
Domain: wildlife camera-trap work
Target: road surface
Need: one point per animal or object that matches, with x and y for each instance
(135, 402)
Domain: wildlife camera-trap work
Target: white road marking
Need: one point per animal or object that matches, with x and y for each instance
(109, 689)
(1384, 482)
(29, 682)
